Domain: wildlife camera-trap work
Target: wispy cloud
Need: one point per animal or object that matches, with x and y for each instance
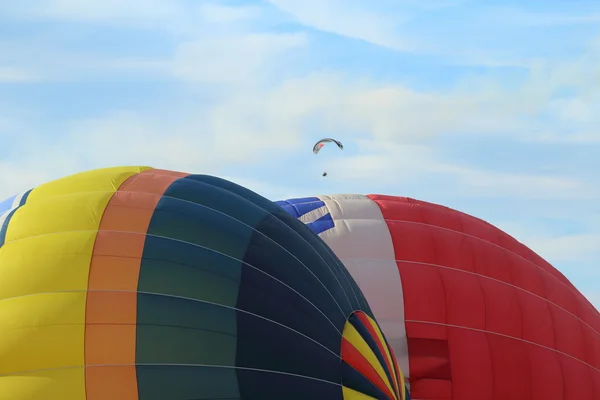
(16, 75)
(232, 59)
(485, 108)
(347, 18)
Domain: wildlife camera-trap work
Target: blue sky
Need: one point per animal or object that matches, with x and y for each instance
(490, 107)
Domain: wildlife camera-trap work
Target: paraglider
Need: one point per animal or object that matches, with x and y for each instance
(321, 143)
(134, 283)
(469, 311)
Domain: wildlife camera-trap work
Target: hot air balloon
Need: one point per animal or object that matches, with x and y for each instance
(133, 283)
(471, 313)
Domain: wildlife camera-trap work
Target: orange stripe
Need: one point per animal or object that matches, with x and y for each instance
(111, 308)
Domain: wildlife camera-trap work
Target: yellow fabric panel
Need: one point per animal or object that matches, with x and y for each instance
(45, 264)
(75, 212)
(352, 336)
(98, 180)
(44, 268)
(388, 355)
(349, 394)
(42, 331)
(44, 385)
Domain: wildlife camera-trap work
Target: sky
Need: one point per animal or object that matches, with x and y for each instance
(490, 107)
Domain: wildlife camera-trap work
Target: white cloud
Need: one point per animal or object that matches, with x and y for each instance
(254, 117)
(543, 18)
(231, 58)
(394, 164)
(572, 248)
(175, 17)
(16, 75)
(394, 113)
(99, 10)
(391, 123)
(347, 18)
(14, 178)
(220, 13)
(558, 249)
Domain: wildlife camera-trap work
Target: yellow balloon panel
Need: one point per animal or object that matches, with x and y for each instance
(55, 384)
(46, 264)
(75, 212)
(99, 180)
(42, 331)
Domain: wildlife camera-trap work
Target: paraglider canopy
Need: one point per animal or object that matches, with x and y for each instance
(319, 145)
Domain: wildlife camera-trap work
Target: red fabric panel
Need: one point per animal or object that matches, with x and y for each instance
(486, 317)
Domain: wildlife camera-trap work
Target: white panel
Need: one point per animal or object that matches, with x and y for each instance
(362, 240)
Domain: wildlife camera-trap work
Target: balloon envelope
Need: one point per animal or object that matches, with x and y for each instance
(471, 313)
(132, 283)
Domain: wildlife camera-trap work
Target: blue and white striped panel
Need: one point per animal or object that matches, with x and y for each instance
(8, 208)
(312, 211)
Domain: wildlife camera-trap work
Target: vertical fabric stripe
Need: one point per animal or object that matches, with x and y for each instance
(110, 335)
(44, 267)
(362, 240)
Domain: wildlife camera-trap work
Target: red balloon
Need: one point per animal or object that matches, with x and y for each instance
(472, 314)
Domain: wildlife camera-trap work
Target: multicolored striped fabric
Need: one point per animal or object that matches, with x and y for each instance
(369, 363)
(133, 283)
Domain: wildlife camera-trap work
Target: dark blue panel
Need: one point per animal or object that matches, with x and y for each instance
(180, 331)
(268, 386)
(282, 350)
(216, 198)
(355, 380)
(237, 299)
(186, 382)
(308, 309)
(304, 245)
(199, 225)
(181, 269)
